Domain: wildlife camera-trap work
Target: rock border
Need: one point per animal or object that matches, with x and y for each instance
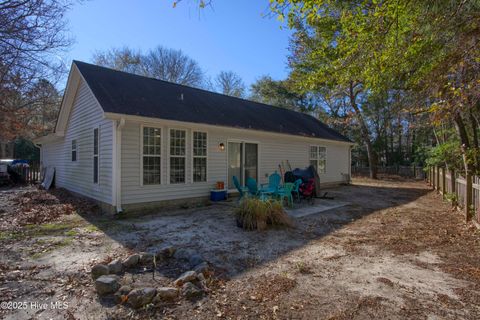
(190, 284)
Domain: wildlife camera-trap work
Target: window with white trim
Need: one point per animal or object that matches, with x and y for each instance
(151, 154)
(95, 155)
(318, 158)
(199, 156)
(74, 150)
(177, 155)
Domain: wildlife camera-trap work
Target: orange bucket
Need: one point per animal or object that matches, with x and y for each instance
(220, 185)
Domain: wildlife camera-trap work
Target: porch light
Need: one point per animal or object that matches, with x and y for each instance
(221, 146)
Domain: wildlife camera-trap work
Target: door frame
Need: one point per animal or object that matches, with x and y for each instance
(243, 141)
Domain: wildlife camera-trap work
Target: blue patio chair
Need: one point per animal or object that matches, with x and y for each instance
(273, 183)
(241, 190)
(296, 188)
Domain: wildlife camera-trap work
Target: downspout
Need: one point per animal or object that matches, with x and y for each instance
(118, 167)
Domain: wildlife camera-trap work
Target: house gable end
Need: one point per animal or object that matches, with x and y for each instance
(74, 81)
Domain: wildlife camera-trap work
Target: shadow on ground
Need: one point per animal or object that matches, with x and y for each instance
(212, 232)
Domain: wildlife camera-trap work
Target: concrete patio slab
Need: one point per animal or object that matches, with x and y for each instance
(325, 205)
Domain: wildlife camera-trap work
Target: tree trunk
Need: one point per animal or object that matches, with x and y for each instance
(474, 125)
(462, 132)
(372, 161)
(399, 147)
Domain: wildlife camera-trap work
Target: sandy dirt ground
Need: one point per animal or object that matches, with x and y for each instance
(396, 251)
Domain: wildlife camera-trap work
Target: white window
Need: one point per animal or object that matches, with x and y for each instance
(74, 150)
(152, 145)
(318, 158)
(177, 155)
(95, 155)
(199, 156)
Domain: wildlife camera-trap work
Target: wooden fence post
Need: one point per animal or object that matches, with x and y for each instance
(444, 184)
(453, 185)
(468, 196)
(437, 178)
(433, 177)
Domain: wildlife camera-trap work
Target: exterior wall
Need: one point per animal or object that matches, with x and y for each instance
(272, 149)
(77, 176)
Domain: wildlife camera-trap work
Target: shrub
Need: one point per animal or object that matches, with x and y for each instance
(255, 214)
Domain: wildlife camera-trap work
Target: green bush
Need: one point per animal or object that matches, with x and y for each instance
(452, 197)
(255, 214)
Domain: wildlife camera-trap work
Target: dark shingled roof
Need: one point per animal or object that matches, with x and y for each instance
(130, 94)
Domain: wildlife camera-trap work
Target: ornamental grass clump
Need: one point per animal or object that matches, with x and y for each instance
(255, 214)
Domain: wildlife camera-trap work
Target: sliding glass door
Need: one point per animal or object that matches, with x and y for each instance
(235, 163)
(251, 161)
(242, 162)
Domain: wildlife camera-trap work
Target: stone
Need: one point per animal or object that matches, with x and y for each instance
(201, 277)
(190, 290)
(202, 282)
(139, 297)
(13, 275)
(131, 261)
(165, 252)
(106, 284)
(201, 268)
(146, 257)
(99, 270)
(185, 277)
(166, 293)
(123, 291)
(115, 266)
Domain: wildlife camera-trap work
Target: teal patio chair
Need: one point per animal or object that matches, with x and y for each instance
(241, 190)
(273, 183)
(296, 188)
(286, 192)
(252, 187)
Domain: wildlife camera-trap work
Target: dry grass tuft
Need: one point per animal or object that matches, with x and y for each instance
(255, 214)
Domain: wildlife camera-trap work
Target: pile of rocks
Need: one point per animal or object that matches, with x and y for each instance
(190, 284)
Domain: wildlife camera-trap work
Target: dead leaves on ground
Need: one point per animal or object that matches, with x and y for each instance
(41, 206)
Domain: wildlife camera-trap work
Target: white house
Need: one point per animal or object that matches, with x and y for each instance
(129, 141)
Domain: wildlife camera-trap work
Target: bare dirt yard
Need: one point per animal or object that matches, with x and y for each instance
(396, 251)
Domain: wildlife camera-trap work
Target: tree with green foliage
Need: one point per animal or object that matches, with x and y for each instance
(427, 51)
(280, 93)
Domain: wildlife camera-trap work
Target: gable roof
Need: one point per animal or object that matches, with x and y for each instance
(130, 94)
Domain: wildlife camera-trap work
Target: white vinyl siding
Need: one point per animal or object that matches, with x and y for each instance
(85, 116)
(272, 149)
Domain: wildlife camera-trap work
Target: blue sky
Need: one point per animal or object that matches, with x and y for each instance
(232, 35)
